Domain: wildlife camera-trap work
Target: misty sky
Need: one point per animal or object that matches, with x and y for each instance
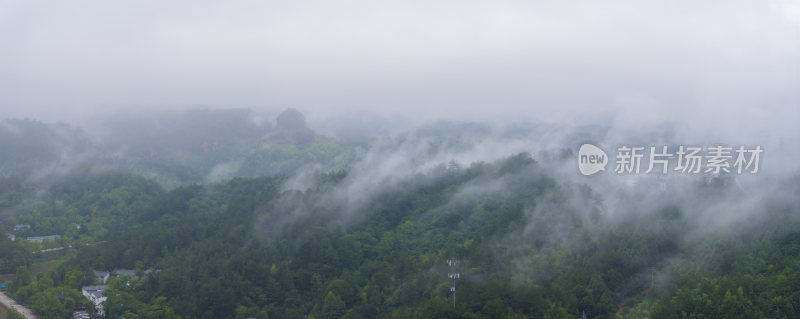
(629, 63)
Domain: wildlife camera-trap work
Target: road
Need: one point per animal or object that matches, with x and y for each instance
(12, 304)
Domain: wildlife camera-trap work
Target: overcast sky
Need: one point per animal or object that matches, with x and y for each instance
(618, 62)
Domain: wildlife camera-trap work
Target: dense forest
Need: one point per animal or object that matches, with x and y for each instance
(270, 240)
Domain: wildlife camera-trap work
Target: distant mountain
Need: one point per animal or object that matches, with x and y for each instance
(203, 145)
(199, 136)
(26, 143)
(291, 146)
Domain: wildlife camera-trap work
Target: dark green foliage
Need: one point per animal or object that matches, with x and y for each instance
(529, 247)
(13, 255)
(13, 314)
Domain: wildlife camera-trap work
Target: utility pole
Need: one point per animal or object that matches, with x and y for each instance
(652, 277)
(453, 276)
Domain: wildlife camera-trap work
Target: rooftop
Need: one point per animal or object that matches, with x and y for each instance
(120, 272)
(94, 288)
(40, 238)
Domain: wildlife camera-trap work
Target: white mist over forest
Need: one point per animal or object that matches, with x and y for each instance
(329, 159)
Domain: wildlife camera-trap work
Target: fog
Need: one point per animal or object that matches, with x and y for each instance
(453, 122)
(647, 73)
(538, 77)
(717, 68)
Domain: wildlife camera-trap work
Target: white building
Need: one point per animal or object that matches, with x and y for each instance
(95, 295)
(42, 238)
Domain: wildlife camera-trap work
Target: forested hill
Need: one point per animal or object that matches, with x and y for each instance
(174, 148)
(25, 142)
(529, 246)
(313, 228)
(207, 145)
